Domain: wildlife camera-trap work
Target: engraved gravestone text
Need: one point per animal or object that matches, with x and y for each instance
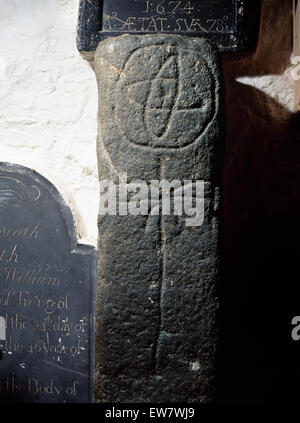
(45, 298)
(149, 16)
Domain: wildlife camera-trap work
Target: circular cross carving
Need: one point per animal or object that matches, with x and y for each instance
(165, 97)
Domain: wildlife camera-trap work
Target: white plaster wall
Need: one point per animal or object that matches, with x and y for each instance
(279, 87)
(48, 107)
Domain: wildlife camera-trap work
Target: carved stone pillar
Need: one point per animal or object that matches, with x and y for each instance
(160, 119)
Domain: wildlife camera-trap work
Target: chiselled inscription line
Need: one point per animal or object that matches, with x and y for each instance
(110, 162)
(39, 325)
(156, 103)
(170, 16)
(65, 369)
(170, 110)
(162, 279)
(38, 191)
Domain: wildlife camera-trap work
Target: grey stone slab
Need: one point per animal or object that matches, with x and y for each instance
(47, 295)
(160, 117)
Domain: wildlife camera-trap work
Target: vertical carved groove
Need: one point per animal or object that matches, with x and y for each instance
(161, 286)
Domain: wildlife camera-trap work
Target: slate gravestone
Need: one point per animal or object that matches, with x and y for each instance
(47, 293)
(161, 118)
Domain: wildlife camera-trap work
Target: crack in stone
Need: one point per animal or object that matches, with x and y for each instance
(64, 368)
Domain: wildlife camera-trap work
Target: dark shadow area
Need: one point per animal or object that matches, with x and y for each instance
(15, 398)
(258, 361)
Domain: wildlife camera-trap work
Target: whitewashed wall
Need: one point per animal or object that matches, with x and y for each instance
(48, 107)
(48, 102)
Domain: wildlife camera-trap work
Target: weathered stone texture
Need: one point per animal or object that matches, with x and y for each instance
(160, 117)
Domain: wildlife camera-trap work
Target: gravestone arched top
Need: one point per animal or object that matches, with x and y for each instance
(25, 194)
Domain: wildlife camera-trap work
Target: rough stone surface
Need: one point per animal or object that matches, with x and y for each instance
(160, 117)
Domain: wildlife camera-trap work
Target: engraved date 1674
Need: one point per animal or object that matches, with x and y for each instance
(169, 16)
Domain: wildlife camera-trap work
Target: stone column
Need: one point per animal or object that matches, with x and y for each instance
(160, 118)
